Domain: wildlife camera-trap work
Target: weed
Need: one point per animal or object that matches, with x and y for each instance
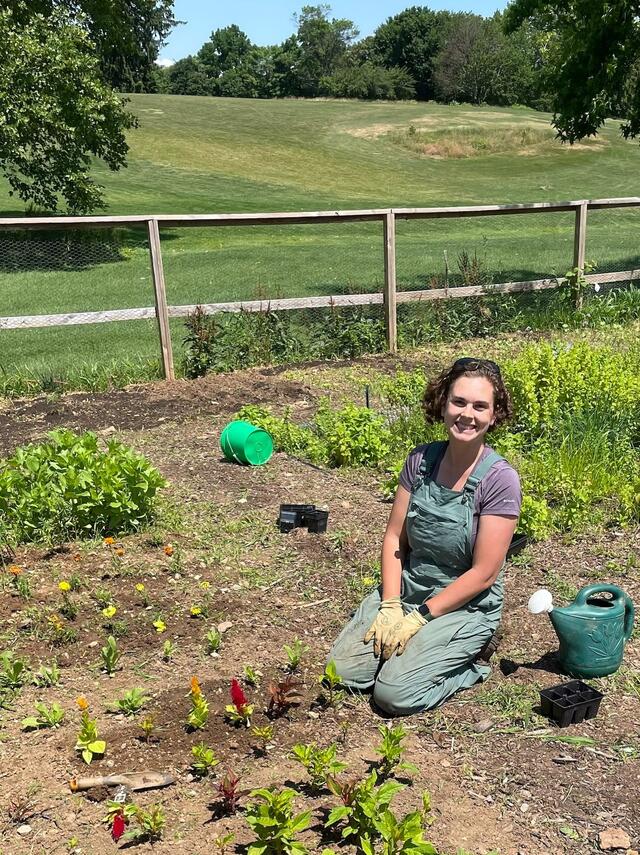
(512, 702)
(275, 825)
(47, 717)
(631, 685)
(332, 681)
(204, 761)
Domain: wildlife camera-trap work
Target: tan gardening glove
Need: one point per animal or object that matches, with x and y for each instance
(396, 640)
(389, 613)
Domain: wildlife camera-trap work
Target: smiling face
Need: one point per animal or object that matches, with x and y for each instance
(469, 410)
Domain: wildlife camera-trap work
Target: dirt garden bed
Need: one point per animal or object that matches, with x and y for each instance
(500, 781)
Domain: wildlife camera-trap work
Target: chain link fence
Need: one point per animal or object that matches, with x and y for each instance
(287, 292)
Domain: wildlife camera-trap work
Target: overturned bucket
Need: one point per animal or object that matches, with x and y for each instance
(245, 443)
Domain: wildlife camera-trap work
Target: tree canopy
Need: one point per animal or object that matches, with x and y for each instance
(56, 113)
(591, 56)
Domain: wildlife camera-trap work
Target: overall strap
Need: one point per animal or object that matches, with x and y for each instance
(433, 453)
(481, 469)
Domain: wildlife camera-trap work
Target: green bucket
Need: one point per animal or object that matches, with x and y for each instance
(246, 443)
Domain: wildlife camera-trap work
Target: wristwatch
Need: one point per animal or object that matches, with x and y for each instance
(424, 611)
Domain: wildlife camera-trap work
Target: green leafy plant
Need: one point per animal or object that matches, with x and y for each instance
(274, 823)
(362, 802)
(110, 656)
(204, 761)
(47, 717)
(295, 651)
(264, 735)
(147, 725)
(88, 743)
(47, 676)
(131, 702)
(320, 763)
(145, 824)
(214, 640)
(391, 751)
(103, 598)
(168, 650)
(68, 487)
(332, 682)
(14, 671)
(251, 676)
(575, 283)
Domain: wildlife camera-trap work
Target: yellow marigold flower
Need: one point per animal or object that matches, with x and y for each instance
(195, 686)
(55, 621)
(195, 611)
(205, 585)
(64, 585)
(168, 550)
(368, 580)
(139, 587)
(109, 612)
(109, 541)
(159, 625)
(15, 570)
(82, 703)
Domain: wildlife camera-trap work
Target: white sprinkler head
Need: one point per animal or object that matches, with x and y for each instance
(540, 602)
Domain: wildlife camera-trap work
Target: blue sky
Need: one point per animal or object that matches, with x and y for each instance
(271, 22)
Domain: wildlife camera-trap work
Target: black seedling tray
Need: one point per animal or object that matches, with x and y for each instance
(317, 521)
(570, 703)
(294, 516)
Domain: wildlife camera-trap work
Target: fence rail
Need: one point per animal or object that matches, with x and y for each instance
(389, 298)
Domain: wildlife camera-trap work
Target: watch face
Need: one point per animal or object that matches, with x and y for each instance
(424, 610)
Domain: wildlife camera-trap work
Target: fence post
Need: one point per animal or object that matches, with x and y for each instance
(390, 312)
(580, 235)
(162, 315)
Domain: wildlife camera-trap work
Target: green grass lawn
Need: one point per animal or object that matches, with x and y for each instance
(202, 155)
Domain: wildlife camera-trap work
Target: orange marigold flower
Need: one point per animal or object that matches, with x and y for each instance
(109, 541)
(168, 550)
(195, 686)
(82, 703)
(15, 570)
(119, 551)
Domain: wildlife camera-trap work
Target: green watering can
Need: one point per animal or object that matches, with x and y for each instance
(592, 630)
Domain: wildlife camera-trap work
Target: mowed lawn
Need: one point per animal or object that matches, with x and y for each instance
(201, 155)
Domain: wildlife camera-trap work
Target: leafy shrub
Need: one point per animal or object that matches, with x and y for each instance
(68, 487)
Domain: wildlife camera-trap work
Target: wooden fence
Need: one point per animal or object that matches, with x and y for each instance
(389, 298)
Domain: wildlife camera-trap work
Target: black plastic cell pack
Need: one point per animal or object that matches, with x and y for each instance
(302, 516)
(570, 703)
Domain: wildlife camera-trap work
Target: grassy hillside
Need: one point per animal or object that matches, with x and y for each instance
(223, 155)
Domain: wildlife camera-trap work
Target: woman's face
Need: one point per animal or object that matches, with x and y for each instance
(469, 410)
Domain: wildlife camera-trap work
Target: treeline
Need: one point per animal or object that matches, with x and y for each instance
(418, 53)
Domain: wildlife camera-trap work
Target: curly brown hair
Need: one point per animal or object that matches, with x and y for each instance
(437, 391)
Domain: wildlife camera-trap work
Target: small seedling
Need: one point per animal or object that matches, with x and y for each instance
(103, 598)
(68, 608)
(132, 702)
(239, 711)
(46, 677)
(204, 760)
(147, 726)
(13, 671)
(251, 676)
(47, 717)
(264, 735)
(229, 793)
(274, 823)
(88, 743)
(223, 841)
(214, 640)
(391, 751)
(110, 656)
(23, 587)
(199, 714)
(295, 652)
(169, 650)
(332, 681)
(320, 763)
(283, 695)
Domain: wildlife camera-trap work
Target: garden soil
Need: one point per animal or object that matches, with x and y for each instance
(501, 778)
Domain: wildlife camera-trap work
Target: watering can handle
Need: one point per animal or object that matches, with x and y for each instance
(618, 594)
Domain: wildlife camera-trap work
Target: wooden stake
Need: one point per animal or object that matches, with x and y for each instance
(162, 314)
(390, 312)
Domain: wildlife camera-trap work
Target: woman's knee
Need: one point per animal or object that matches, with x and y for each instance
(397, 698)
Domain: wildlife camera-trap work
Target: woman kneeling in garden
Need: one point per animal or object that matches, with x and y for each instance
(452, 520)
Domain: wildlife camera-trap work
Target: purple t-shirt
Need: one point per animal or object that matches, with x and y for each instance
(498, 493)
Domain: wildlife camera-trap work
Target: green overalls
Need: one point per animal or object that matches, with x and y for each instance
(438, 660)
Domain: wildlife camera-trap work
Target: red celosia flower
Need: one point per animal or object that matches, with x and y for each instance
(117, 830)
(238, 697)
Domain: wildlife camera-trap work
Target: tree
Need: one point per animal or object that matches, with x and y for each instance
(55, 113)
(591, 61)
(127, 34)
(227, 49)
(412, 40)
(188, 76)
(320, 44)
